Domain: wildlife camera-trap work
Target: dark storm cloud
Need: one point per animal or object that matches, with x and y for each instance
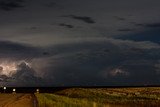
(81, 56)
(151, 25)
(8, 5)
(4, 78)
(125, 30)
(15, 50)
(26, 76)
(82, 18)
(19, 53)
(103, 64)
(143, 71)
(119, 18)
(151, 35)
(92, 62)
(66, 25)
(33, 28)
(51, 4)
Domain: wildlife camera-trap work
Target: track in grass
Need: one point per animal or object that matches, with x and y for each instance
(18, 100)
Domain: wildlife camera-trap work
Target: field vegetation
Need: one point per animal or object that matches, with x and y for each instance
(88, 97)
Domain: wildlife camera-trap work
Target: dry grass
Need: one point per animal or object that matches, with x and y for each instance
(88, 97)
(52, 100)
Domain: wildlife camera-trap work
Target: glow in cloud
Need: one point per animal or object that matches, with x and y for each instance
(9, 68)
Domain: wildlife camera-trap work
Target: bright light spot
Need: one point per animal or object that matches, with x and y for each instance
(14, 90)
(37, 90)
(4, 88)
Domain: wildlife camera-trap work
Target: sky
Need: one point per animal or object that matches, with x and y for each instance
(79, 43)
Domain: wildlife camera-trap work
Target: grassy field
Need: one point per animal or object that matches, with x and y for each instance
(52, 100)
(88, 97)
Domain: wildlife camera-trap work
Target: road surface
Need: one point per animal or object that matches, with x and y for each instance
(18, 100)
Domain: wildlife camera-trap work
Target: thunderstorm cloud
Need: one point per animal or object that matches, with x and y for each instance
(79, 42)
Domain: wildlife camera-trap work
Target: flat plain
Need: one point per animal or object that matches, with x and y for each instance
(113, 97)
(85, 97)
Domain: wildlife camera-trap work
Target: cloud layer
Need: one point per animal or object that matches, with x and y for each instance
(87, 63)
(8, 5)
(79, 42)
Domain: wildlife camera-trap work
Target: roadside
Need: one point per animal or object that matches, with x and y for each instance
(17, 100)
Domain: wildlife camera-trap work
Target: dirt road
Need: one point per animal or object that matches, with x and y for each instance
(17, 100)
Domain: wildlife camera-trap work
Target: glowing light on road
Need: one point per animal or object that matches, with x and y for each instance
(37, 90)
(14, 90)
(4, 88)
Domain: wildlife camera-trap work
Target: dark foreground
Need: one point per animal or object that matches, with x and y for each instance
(81, 97)
(55, 89)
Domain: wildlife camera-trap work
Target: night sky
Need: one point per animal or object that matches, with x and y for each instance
(79, 42)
